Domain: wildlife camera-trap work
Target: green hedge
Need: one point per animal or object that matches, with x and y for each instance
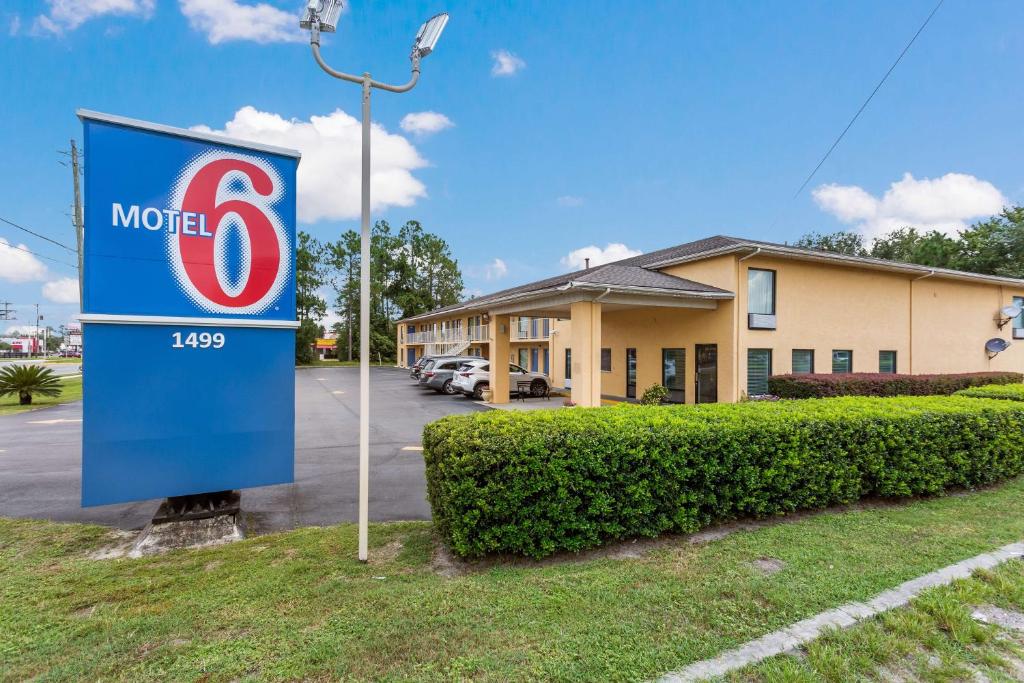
(538, 482)
(877, 384)
(1009, 392)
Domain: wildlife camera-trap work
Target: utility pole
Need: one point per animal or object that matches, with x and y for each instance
(37, 329)
(79, 229)
(6, 312)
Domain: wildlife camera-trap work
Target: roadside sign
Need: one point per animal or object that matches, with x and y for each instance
(188, 312)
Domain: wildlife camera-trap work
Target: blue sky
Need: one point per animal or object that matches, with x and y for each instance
(636, 124)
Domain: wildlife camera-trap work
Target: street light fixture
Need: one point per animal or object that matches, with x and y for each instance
(322, 16)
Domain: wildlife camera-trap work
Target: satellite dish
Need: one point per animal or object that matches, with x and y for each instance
(995, 346)
(1008, 313)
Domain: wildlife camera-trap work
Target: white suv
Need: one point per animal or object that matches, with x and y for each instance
(473, 377)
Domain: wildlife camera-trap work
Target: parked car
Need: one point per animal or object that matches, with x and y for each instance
(473, 377)
(437, 373)
(414, 371)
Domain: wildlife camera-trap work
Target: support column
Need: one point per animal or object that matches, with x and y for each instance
(498, 334)
(586, 353)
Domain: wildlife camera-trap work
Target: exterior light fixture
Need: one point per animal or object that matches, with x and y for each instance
(322, 16)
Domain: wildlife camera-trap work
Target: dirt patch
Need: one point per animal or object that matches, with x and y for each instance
(116, 544)
(386, 554)
(1005, 618)
(768, 565)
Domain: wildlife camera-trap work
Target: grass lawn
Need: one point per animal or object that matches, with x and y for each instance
(297, 605)
(934, 639)
(71, 390)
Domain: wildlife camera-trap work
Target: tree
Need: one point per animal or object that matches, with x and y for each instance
(27, 381)
(411, 272)
(910, 246)
(310, 272)
(842, 242)
(991, 247)
(305, 338)
(343, 257)
(995, 246)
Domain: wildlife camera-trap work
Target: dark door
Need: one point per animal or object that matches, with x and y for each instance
(707, 373)
(630, 373)
(412, 357)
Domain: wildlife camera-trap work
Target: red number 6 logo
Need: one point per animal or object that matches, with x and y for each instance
(233, 192)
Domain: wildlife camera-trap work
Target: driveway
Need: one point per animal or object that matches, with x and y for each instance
(41, 458)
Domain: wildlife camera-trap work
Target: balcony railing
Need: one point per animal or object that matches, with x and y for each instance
(478, 333)
(532, 332)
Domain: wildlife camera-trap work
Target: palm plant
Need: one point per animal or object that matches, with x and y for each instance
(26, 380)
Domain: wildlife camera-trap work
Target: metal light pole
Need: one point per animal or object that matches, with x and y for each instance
(322, 16)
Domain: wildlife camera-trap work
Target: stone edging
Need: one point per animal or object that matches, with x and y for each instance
(844, 616)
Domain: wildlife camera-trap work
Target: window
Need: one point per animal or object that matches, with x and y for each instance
(606, 360)
(673, 374)
(1018, 322)
(761, 291)
(524, 357)
(547, 327)
(524, 328)
(803, 361)
(887, 362)
(568, 363)
(759, 369)
(842, 361)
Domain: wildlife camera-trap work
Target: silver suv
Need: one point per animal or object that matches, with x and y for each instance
(474, 376)
(438, 373)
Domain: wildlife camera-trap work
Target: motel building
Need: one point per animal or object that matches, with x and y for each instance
(712, 319)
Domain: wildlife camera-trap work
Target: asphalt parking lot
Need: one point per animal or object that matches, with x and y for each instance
(40, 457)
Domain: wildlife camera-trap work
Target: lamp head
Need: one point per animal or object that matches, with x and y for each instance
(324, 12)
(429, 34)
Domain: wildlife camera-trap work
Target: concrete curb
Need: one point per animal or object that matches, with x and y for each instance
(844, 616)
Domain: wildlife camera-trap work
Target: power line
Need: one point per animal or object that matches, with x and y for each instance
(29, 251)
(865, 104)
(42, 237)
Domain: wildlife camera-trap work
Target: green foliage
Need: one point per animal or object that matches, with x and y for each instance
(310, 272)
(1008, 392)
(992, 247)
(538, 482)
(305, 338)
(877, 384)
(411, 272)
(27, 381)
(653, 395)
(842, 242)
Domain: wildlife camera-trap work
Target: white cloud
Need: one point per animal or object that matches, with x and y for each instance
(329, 175)
(62, 291)
(14, 28)
(495, 270)
(226, 20)
(17, 265)
(28, 330)
(945, 204)
(569, 200)
(425, 122)
(615, 251)
(67, 15)
(506, 63)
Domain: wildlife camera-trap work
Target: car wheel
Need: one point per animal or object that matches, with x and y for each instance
(447, 387)
(478, 390)
(537, 387)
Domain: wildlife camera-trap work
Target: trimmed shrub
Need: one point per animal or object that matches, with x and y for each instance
(1007, 392)
(534, 483)
(874, 384)
(654, 395)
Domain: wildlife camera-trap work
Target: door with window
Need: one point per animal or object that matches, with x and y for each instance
(524, 357)
(630, 373)
(673, 374)
(759, 369)
(707, 373)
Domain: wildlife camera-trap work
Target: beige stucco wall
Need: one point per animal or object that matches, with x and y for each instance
(825, 308)
(952, 322)
(818, 306)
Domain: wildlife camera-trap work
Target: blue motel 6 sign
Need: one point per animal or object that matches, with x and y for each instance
(188, 312)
